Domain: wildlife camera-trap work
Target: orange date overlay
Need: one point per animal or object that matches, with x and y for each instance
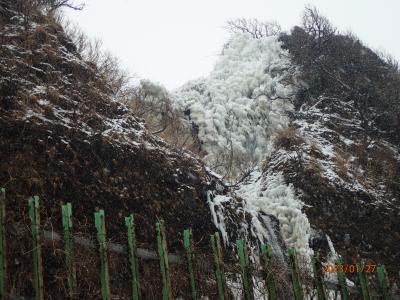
(349, 268)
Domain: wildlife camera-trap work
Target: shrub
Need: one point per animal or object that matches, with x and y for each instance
(338, 65)
(288, 139)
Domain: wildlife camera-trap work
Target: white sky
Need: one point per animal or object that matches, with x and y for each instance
(173, 41)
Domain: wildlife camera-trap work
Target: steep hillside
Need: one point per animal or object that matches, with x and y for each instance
(58, 117)
(346, 180)
(343, 144)
(309, 125)
(64, 137)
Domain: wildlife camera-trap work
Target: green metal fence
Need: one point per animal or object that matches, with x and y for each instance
(189, 259)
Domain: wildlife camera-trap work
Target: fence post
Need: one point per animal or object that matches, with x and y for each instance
(130, 226)
(66, 210)
(101, 237)
(342, 280)
(363, 283)
(244, 266)
(318, 278)
(218, 265)
(298, 293)
(3, 262)
(37, 251)
(164, 266)
(382, 278)
(268, 277)
(188, 245)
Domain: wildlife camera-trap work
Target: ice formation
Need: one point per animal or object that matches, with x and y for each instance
(238, 108)
(243, 101)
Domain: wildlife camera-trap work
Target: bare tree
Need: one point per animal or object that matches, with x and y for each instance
(29, 8)
(106, 64)
(152, 102)
(254, 27)
(56, 4)
(51, 5)
(391, 61)
(316, 24)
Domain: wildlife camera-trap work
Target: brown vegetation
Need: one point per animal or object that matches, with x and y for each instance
(288, 139)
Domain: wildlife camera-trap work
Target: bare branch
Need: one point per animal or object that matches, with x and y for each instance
(254, 27)
(56, 4)
(317, 25)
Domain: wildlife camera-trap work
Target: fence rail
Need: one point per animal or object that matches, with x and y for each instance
(39, 236)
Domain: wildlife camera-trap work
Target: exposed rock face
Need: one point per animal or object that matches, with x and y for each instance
(65, 139)
(348, 181)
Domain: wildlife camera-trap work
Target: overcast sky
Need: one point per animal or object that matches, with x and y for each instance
(173, 41)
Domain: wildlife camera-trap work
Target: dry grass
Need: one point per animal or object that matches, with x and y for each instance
(341, 161)
(376, 161)
(26, 98)
(40, 35)
(288, 139)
